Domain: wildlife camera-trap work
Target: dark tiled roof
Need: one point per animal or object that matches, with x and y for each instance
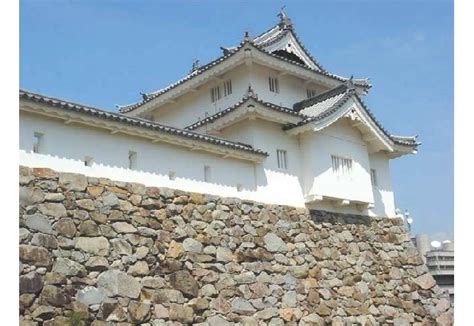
(246, 98)
(282, 33)
(298, 106)
(150, 96)
(98, 113)
(341, 100)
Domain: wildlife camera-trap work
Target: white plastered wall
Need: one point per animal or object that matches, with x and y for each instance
(193, 106)
(276, 183)
(339, 139)
(383, 193)
(64, 147)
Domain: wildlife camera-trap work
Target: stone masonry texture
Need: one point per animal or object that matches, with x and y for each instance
(98, 252)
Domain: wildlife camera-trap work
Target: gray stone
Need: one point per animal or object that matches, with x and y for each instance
(54, 295)
(400, 322)
(66, 227)
(245, 278)
(117, 283)
(54, 197)
(276, 322)
(30, 196)
(224, 254)
(53, 209)
(289, 300)
(274, 243)
(72, 181)
(97, 263)
(44, 240)
(242, 306)
(38, 222)
(38, 256)
(267, 313)
(90, 295)
(97, 245)
(110, 200)
(185, 282)
(138, 311)
(425, 281)
(218, 321)
(31, 283)
(123, 227)
(121, 247)
(191, 245)
(139, 268)
(300, 271)
(68, 267)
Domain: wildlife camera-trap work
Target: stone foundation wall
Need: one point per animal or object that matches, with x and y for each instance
(95, 251)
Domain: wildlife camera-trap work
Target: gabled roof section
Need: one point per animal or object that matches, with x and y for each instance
(327, 104)
(67, 106)
(280, 42)
(250, 96)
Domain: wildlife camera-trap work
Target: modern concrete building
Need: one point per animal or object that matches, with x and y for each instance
(440, 262)
(264, 121)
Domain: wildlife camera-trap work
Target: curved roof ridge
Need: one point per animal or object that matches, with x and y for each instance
(250, 95)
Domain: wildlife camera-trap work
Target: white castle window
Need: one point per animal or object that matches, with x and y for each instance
(310, 92)
(281, 159)
(273, 85)
(132, 160)
(37, 142)
(341, 165)
(172, 175)
(373, 177)
(228, 87)
(88, 161)
(215, 94)
(207, 173)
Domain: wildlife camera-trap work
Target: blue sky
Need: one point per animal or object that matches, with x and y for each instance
(103, 53)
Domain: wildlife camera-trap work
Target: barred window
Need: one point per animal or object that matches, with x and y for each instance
(373, 177)
(341, 165)
(228, 87)
(281, 159)
(215, 94)
(273, 85)
(132, 160)
(310, 92)
(207, 173)
(37, 142)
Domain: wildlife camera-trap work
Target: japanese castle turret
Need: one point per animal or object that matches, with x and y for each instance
(262, 122)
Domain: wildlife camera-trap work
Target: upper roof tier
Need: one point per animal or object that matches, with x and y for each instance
(279, 43)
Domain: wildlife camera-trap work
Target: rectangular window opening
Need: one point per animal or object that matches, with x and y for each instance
(37, 142)
(310, 92)
(172, 175)
(373, 177)
(215, 94)
(341, 165)
(282, 159)
(207, 173)
(228, 88)
(88, 161)
(132, 160)
(273, 85)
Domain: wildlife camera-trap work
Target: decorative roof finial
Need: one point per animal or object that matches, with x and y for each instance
(350, 84)
(195, 65)
(144, 96)
(246, 36)
(285, 21)
(250, 92)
